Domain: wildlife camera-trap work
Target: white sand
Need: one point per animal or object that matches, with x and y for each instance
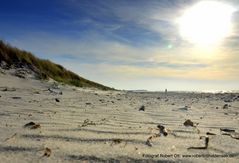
(115, 115)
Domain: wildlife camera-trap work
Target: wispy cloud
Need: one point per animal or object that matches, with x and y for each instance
(110, 41)
(124, 59)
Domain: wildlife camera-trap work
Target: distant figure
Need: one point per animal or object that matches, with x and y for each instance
(166, 91)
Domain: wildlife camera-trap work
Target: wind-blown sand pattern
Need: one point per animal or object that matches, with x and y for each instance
(77, 125)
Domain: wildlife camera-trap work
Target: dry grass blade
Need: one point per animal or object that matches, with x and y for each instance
(227, 130)
(149, 140)
(87, 122)
(235, 135)
(11, 137)
(210, 133)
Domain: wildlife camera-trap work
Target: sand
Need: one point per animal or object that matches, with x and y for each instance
(89, 125)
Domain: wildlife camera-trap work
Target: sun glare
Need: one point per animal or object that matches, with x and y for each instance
(206, 23)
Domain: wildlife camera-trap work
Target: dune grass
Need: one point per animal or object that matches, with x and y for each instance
(44, 69)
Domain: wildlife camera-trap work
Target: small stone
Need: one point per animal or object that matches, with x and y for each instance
(32, 125)
(29, 124)
(225, 106)
(162, 130)
(173, 148)
(102, 100)
(57, 100)
(188, 122)
(47, 152)
(142, 108)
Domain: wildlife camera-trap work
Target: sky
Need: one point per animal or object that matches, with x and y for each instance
(125, 44)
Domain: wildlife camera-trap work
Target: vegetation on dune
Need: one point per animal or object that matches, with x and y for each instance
(44, 69)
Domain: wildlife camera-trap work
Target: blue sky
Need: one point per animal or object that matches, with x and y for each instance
(126, 44)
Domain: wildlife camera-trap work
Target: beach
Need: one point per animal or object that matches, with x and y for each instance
(45, 121)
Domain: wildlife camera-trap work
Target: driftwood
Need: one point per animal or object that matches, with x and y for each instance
(205, 146)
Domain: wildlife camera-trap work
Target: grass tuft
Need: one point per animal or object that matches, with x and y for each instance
(45, 69)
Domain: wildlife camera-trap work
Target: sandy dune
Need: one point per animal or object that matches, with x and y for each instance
(89, 125)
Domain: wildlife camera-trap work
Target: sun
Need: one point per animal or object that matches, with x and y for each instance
(206, 23)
